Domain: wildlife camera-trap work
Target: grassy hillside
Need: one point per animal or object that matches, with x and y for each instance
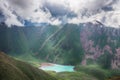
(72, 76)
(11, 69)
(98, 72)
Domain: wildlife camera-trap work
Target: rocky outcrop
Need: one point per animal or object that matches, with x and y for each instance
(97, 40)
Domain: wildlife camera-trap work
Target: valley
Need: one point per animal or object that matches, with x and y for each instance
(91, 49)
(59, 39)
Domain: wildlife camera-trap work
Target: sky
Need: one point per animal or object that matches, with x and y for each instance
(57, 12)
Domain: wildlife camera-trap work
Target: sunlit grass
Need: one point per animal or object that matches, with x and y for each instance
(94, 70)
(72, 76)
(30, 59)
(12, 69)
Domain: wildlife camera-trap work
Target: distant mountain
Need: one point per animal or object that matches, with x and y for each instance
(87, 43)
(2, 17)
(11, 69)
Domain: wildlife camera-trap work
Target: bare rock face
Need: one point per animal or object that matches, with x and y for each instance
(98, 40)
(116, 61)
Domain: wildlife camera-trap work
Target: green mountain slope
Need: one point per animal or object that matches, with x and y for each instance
(68, 44)
(11, 69)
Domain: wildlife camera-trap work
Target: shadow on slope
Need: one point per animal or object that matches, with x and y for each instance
(11, 69)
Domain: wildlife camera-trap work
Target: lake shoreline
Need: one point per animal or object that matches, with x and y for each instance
(46, 64)
(56, 67)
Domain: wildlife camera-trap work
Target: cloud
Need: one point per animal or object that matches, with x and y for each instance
(60, 12)
(10, 19)
(56, 8)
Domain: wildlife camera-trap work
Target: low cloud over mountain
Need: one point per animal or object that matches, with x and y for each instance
(16, 12)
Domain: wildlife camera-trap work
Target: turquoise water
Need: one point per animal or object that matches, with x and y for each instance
(58, 68)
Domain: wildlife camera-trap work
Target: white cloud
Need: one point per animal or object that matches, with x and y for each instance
(56, 22)
(54, 11)
(10, 18)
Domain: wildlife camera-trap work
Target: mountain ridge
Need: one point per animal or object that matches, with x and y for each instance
(71, 44)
